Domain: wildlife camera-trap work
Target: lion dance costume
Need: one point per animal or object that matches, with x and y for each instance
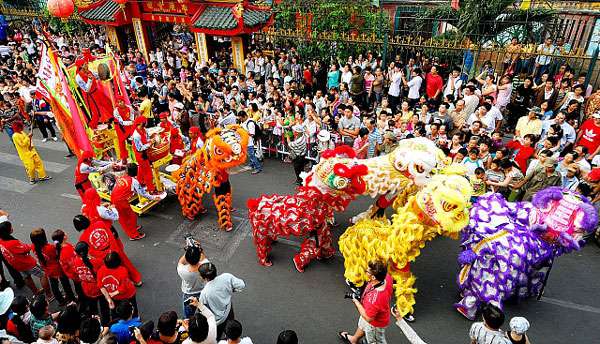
(207, 168)
(509, 247)
(329, 187)
(440, 208)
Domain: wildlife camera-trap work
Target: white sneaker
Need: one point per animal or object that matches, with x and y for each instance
(55, 139)
(44, 140)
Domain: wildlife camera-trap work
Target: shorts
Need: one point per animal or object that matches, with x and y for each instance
(34, 271)
(373, 335)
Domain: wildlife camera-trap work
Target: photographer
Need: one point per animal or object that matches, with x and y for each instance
(373, 306)
(187, 269)
(121, 329)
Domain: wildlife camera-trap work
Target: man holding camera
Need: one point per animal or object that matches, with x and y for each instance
(373, 306)
(187, 269)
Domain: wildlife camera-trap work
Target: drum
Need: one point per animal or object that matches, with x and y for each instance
(160, 146)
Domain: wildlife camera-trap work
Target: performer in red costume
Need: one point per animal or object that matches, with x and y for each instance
(141, 144)
(178, 143)
(96, 100)
(95, 210)
(164, 122)
(86, 165)
(196, 139)
(124, 116)
(125, 188)
(101, 242)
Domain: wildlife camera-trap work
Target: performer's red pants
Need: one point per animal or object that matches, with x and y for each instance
(127, 218)
(145, 174)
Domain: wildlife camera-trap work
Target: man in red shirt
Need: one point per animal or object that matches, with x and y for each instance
(589, 134)
(374, 307)
(434, 84)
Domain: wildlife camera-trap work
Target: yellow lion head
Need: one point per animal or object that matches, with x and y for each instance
(446, 200)
(225, 148)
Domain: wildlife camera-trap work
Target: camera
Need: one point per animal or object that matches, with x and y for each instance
(190, 241)
(354, 294)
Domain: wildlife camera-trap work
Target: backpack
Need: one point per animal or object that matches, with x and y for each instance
(258, 131)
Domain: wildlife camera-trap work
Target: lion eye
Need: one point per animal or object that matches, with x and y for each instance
(448, 206)
(419, 168)
(218, 151)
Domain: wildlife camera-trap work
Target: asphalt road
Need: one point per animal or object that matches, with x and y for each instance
(278, 297)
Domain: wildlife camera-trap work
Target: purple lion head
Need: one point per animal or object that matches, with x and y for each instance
(562, 216)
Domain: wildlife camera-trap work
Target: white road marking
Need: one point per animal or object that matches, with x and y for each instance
(13, 159)
(15, 185)
(163, 216)
(572, 305)
(72, 196)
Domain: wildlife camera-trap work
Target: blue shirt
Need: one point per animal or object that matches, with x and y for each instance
(121, 329)
(333, 79)
(375, 138)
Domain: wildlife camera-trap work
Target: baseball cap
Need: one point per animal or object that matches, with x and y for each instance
(550, 162)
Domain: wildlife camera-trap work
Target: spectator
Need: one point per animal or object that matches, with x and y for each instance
(530, 124)
(46, 335)
(298, 150)
(202, 328)
(167, 330)
(217, 294)
(251, 127)
(348, 125)
(191, 282)
(233, 331)
(375, 138)
(570, 181)
(518, 331)
(434, 84)
(120, 329)
(287, 337)
(589, 135)
(540, 180)
(40, 316)
(90, 330)
(488, 331)
(523, 150)
(374, 307)
(472, 162)
(509, 186)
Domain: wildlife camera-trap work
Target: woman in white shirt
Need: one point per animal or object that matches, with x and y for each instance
(414, 85)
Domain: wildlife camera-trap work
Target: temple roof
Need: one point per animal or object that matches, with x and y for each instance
(105, 12)
(230, 19)
(215, 17)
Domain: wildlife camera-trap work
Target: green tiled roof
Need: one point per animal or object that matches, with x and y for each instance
(216, 17)
(256, 17)
(105, 12)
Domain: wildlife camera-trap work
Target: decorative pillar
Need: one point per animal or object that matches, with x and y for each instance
(237, 50)
(201, 47)
(141, 37)
(113, 38)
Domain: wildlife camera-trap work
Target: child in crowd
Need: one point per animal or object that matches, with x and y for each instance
(477, 181)
(460, 155)
(40, 316)
(361, 143)
(472, 162)
(494, 174)
(46, 335)
(497, 143)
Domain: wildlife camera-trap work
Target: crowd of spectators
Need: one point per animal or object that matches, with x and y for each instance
(515, 130)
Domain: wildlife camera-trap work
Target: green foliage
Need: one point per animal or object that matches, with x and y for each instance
(332, 16)
(71, 26)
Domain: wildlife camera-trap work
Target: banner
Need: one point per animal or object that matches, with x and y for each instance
(50, 87)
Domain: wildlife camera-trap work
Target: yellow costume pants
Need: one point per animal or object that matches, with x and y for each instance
(34, 165)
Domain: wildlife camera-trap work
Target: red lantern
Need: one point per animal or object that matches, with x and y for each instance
(61, 8)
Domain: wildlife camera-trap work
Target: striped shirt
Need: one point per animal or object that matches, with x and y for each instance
(375, 139)
(483, 335)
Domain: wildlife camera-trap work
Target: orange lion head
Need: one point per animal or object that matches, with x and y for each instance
(225, 148)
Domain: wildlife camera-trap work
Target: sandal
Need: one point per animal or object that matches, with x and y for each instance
(343, 336)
